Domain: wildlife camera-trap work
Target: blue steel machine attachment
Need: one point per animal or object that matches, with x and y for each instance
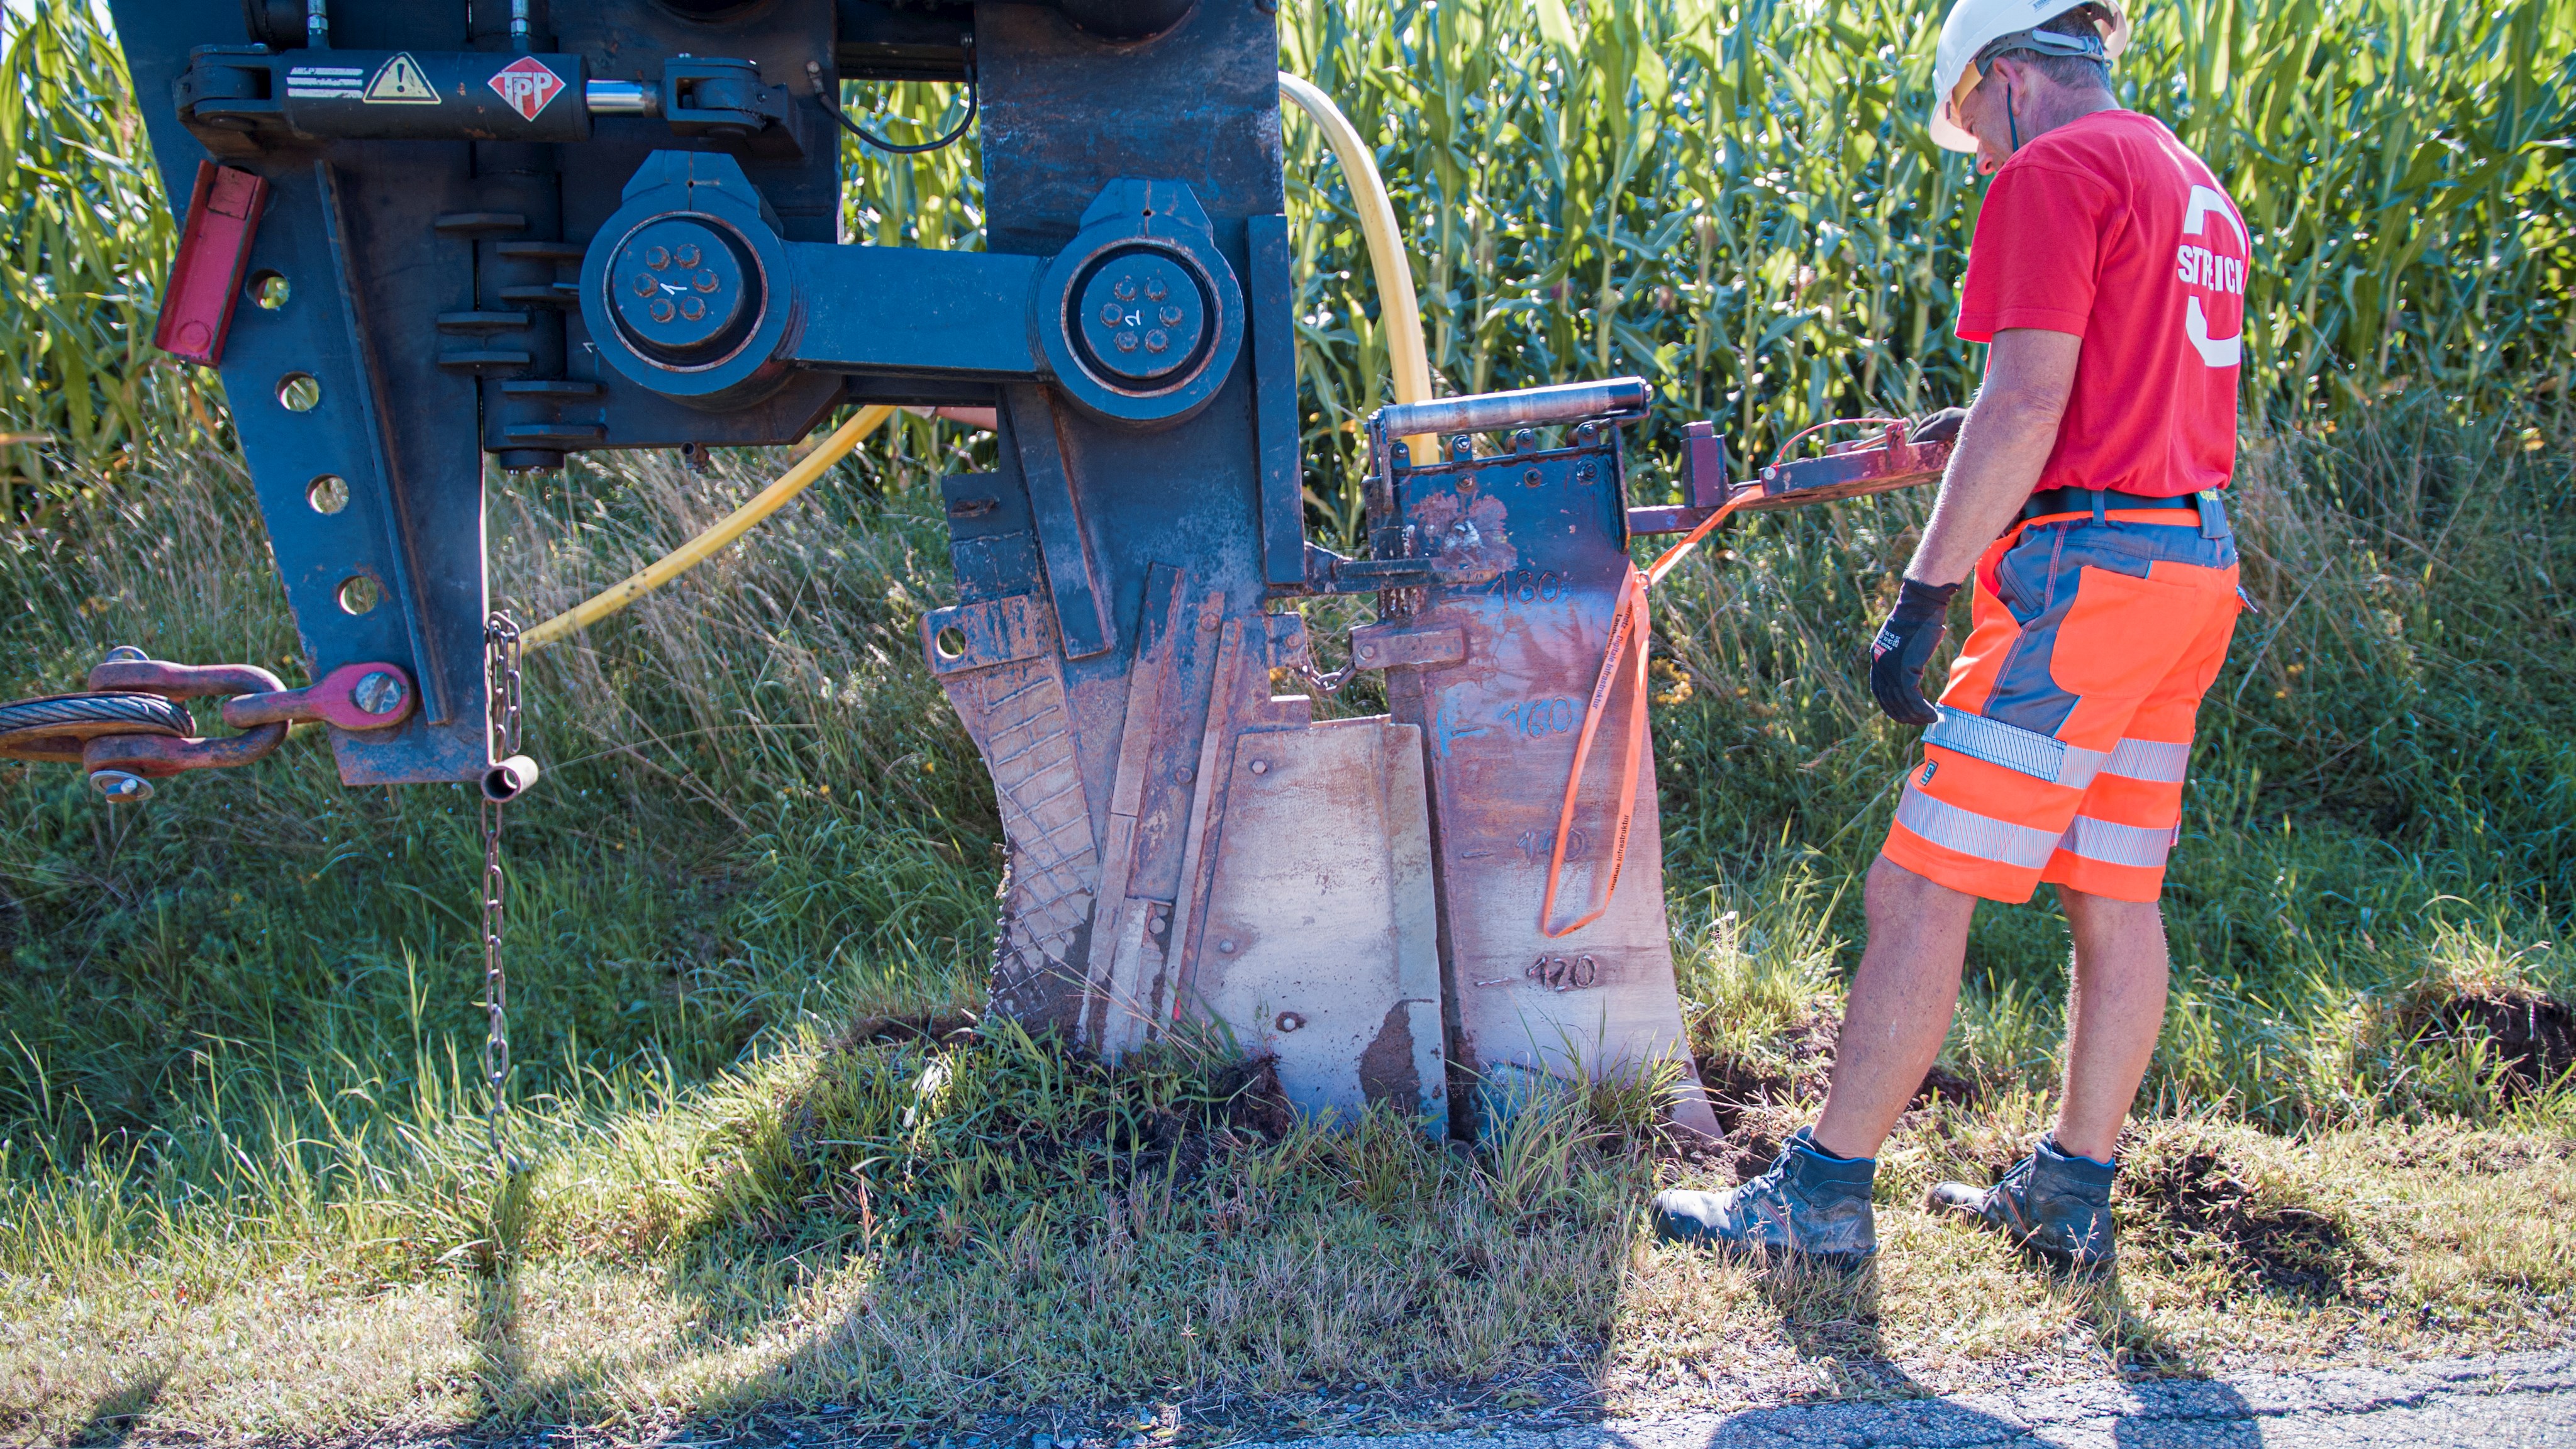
(509, 230)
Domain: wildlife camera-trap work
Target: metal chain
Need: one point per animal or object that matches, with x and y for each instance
(501, 737)
(1323, 683)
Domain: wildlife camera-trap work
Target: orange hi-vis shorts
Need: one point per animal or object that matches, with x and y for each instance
(2066, 726)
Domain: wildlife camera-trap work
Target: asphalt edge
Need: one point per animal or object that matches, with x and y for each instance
(2107, 1407)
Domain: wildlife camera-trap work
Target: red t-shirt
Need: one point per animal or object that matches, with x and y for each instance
(2111, 229)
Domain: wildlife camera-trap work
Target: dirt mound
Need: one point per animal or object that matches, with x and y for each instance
(1943, 1085)
(1254, 1100)
(1180, 1143)
(2533, 1037)
(2199, 1205)
(931, 1026)
(1739, 1090)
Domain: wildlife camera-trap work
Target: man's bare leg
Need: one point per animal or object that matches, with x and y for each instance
(2115, 1010)
(1901, 1002)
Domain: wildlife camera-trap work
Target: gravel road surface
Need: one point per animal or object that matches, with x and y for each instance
(2503, 1401)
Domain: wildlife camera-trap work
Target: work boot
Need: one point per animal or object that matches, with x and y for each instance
(1809, 1206)
(2050, 1203)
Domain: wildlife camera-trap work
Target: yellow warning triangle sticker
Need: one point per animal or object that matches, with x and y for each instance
(398, 82)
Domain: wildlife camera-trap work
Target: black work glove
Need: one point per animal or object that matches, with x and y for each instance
(1936, 427)
(1903, 646)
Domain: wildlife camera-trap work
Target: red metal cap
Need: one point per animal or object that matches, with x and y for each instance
(214, 251)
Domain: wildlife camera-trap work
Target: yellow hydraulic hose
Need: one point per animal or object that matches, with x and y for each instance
(697, 550)
(1399, 311)
(1400, 316)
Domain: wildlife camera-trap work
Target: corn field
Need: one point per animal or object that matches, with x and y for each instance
(1733, 198)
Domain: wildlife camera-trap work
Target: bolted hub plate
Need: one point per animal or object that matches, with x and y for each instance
(1140, 317)
(680, 290)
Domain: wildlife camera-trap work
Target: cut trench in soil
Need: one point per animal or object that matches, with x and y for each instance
(1740, 1091)
(2531, 1037)
(931, 1026)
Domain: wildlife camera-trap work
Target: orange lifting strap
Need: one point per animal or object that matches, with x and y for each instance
(1628, 626)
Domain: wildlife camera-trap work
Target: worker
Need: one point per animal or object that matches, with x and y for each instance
(2082, 509)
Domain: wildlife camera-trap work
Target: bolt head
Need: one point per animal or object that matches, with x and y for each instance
(1158, 340)
(120, 787)
(1464, 447)
(1261, 767)
(1289, 1021)
(379, 693)
(1226, 945)
(1183, 773)
(1368, 651)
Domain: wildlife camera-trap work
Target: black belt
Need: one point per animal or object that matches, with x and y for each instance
(2081, 500)
(2049, 502)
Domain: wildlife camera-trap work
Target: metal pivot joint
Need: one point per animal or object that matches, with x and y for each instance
(1140, 317)
(690, 291)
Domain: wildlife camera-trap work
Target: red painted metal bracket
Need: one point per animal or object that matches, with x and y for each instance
(353, 697)
(214, 252)
(1875, 464)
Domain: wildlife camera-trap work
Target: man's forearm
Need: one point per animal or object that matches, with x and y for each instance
(2002, 447)
(2011, 429)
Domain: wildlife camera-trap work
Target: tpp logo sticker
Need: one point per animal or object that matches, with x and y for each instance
(526, 85)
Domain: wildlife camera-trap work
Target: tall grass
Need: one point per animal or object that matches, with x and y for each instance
(85, 237)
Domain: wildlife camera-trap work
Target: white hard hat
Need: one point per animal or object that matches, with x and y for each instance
(1975, 24)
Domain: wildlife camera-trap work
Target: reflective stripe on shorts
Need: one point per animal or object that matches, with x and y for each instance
(2042, 757)
(1965, 831)
(2160, 761)
(2115, 844)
